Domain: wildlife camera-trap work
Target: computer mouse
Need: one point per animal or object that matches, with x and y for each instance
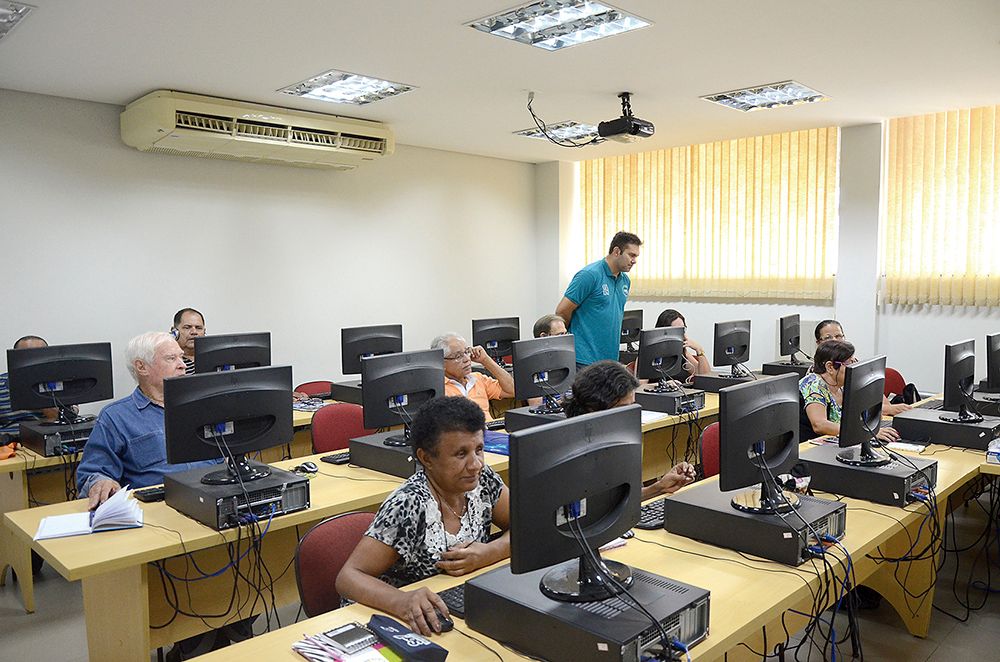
(447, 625)
(308, 467)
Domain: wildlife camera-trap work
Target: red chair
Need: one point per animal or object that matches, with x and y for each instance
(710, 450)
(333, 426)
(314, 388)
(894, 382)
(320, 555)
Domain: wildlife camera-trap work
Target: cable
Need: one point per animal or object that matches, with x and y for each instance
(544, 129)
(478, 641)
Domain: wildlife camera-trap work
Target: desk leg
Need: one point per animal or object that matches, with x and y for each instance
(116, 607)
(14, 554)
(919, 578)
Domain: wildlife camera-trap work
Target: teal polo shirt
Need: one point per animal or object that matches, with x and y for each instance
(596, 324)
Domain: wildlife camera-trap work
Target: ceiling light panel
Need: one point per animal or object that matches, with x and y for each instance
(568, 130)
(11, 14)
(557, 24)
(344, 87)
(772, 95)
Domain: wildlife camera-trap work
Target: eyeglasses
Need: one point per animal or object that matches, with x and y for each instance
(461, 355)
(838, 336)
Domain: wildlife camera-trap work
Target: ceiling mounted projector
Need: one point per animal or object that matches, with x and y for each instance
(628, 128)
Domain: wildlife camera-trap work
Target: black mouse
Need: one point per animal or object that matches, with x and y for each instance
(308, 467)
(447, 625)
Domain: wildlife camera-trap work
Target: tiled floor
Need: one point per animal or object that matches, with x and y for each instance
(56, 630)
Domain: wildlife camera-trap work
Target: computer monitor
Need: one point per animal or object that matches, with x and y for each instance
(661, 358)
(396, 385)
(60, 376)
(232, 351)
(496, 336)
(861, 414)
(959, 378)
(363, 342)
(227, 415)
(759, 439)
(631, 327)
(574, 486)
(992, 382)
(544, 368)
(732, 344)
(788, 337)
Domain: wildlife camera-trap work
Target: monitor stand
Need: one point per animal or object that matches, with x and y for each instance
(765, 499)
(582, 582)
(964, 416)
(549, 406)
(863, 456)
(237, 472)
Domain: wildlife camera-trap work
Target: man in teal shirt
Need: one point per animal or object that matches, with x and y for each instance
(594, 302)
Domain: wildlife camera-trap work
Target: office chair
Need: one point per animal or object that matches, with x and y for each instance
(334, 425)
(320, 555)
(894, 382)
(710, 450)
(314, 388)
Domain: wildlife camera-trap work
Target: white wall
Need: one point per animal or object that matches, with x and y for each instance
(101, 242)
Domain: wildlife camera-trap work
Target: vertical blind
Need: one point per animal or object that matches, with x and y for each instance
(942, 206)
(753, 217)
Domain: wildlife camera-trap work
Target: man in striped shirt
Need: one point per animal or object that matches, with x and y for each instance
(188, 325)
(9, 419)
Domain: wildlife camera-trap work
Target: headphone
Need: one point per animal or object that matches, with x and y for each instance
(174, 332)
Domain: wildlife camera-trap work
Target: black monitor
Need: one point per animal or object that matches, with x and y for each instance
(631, 327)
(234, 351)
(959, 378)
(759, 439)
(861, 415)
(60, 376)
(574, 486)
(544, 368)
(366, 341)
(788, 336)
(227, 415)
(496, 336)
(661, 358)
(992, 382)
(732, 344)
(396, 385)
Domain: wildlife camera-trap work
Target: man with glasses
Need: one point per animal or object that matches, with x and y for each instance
(459, 379)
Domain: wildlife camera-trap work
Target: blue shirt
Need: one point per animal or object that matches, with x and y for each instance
(596, 324)
(10, 420)
(128, 445)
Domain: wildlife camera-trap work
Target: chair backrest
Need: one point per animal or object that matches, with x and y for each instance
(333, 426)
(710, 450)
(320, 555)
(314, 388)
(894, 382)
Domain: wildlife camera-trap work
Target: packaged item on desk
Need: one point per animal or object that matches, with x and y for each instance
(411, 646)
(993, 452)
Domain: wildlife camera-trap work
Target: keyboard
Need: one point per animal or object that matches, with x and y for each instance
(496, 424)
(651, 515)
(931, 404)
(150, 494)
(454, 597)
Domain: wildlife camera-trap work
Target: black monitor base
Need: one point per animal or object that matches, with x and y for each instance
(580, 582)
(970, 418)
(759, 502)
(857, 457)
(397, 441)
(238, 470)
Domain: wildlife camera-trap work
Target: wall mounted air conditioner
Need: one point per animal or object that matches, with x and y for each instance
(171, 122)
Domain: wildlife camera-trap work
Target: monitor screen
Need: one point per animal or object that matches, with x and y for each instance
(861, 414)
(959, 373)
(544, 367)
(59, 375)
(497, 335)
(732, 343)
(366, 341)
(631, 326)
(788, 332)
(232, 351)
(573, 479)
(993, 361)
(661, 354)
(240, 410)
(394, 386)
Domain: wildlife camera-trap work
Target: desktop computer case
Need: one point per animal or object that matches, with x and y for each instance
(926, 427)
(522, 418)
(371, 453)
(50, 439)
(890, 484)
(671, 402)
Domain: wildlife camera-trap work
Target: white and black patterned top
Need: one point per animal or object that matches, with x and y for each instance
(410, 522)
(188, 365)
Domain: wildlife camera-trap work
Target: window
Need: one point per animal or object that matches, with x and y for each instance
(941, 209)
(754, 217)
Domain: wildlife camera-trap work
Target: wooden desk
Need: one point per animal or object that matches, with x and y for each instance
(122, 593)
(990, 469)
(16, 494)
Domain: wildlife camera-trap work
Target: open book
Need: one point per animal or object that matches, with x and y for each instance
(118, 512)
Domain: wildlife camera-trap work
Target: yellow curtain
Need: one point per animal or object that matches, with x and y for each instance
(942, 207)
(748, 218)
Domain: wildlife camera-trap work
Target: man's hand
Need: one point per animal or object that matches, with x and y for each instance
(461, 560)
(101, 491)
(417, 609)
(682, 474)
(892, 410)
(480, 355)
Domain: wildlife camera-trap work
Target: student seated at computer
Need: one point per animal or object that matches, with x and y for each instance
(459, 379)
(549, 325)
(697, 363)
(10, 420)
(607, 384)
(822, 391)
(828, 330)
(437, 521)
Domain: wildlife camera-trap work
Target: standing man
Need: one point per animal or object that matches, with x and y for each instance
(188, 325)
(594, 302)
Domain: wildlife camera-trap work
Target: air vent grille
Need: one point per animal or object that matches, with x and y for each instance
(204, 122)
(279, 133)
(262, 130)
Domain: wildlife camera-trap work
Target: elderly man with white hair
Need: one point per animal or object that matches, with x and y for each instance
(127, 445)
(459, 378)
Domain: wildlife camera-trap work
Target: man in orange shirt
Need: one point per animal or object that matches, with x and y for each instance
(459, 378)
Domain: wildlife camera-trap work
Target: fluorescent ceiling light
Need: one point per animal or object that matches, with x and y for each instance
(772, 95)
(568, 130)
(343, 87)
(555, 24)
(12, 13)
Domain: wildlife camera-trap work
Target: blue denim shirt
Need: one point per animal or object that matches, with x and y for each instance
(127, 445)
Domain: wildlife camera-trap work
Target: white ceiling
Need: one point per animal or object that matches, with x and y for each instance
(874, 58)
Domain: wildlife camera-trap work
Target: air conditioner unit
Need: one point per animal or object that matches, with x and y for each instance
(171, 122)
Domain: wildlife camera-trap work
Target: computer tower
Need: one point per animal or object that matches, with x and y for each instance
(522, 418)
(986, 403)
(371, 453)
(891, 484)
(349, 391)
(48, 438)
(926, 427)
(783, 367)
(716, 381)
(680, 401)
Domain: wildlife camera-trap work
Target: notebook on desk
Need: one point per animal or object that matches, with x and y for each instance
(118, 512)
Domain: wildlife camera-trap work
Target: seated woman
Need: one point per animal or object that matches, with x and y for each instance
(437, 521)
(608, 384)
(822, 391)
(828, 330)
(697, 363)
